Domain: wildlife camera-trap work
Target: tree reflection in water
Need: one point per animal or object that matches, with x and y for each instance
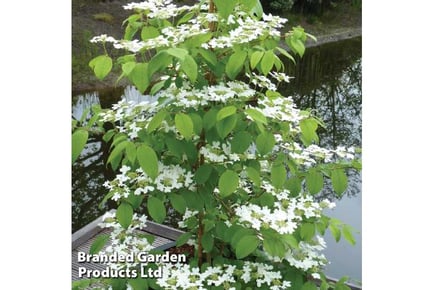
(328, 80)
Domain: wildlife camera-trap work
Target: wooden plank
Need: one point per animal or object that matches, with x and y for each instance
(86, 232)
(83, 239)
(162, 230)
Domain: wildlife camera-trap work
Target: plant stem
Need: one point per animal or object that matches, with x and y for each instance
(199, 241)
(212, 9)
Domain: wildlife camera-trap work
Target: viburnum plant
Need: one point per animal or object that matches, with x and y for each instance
(220, 145)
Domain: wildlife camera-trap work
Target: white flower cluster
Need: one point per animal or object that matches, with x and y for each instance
(264, 82)
(248, 29)
(125, 241)
(131, 117)
(124, 111)
(261, 81)
(103, 38)
(308, 156)
(170, 178)
(188, 97)
(286, 213)
(307, 256)
(187, 215)
(161, 9)
(182, 276)
(219, 153)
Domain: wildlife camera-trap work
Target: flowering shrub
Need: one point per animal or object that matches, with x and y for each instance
(219, 144)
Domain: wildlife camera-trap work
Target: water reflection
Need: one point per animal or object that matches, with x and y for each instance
(327, 79)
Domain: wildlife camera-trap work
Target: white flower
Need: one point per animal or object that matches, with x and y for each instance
(103, 38)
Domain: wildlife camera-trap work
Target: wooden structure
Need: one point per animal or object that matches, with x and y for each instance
(82, 240)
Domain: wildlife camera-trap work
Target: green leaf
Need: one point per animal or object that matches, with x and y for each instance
(148, 160)
(177, 52)
(336, 232)
(208, 55)
(178, 202)
(140, 77)
(314, 181)
(149, 32)
(294, 185)
(225, 7)
(348, 235)
(228, 183)
(246, 246)
(257, 116)
(254, 176)
(265, 142)
(290, 240)
(342, 287)
(285, 53)
(197, 123)
(267, 62)
(193, 200)
(138, 283)
(117, 153)
(307, 231)
(186, 17)
(135, 200)
(255, 58)
(126, 58)
(274, 246)
(156, 209)
(254, 8)
(81, 284)
(79, 139)
(235, 63)
(225, 126)
(131, 152)
(101, 66)
(182, 239)
(339, 181)
(156, 121)
(130, 30)
(99, 244)
(203, 173)
(226, 112)
(108, 135)
(124, 214)
(266, 199)
(197, 40)
(189, 66)
(158, 62)
(209, 224)
(157, 87)
(207, 242)
(117, 283)
(296, 45)
(220, 229)
(278, 176)
(308, 130)
(184, 125)
(209, 119)
(241, 142)
(309, 286)
(238, 234)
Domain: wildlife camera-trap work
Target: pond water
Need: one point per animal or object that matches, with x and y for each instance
(327, 79)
